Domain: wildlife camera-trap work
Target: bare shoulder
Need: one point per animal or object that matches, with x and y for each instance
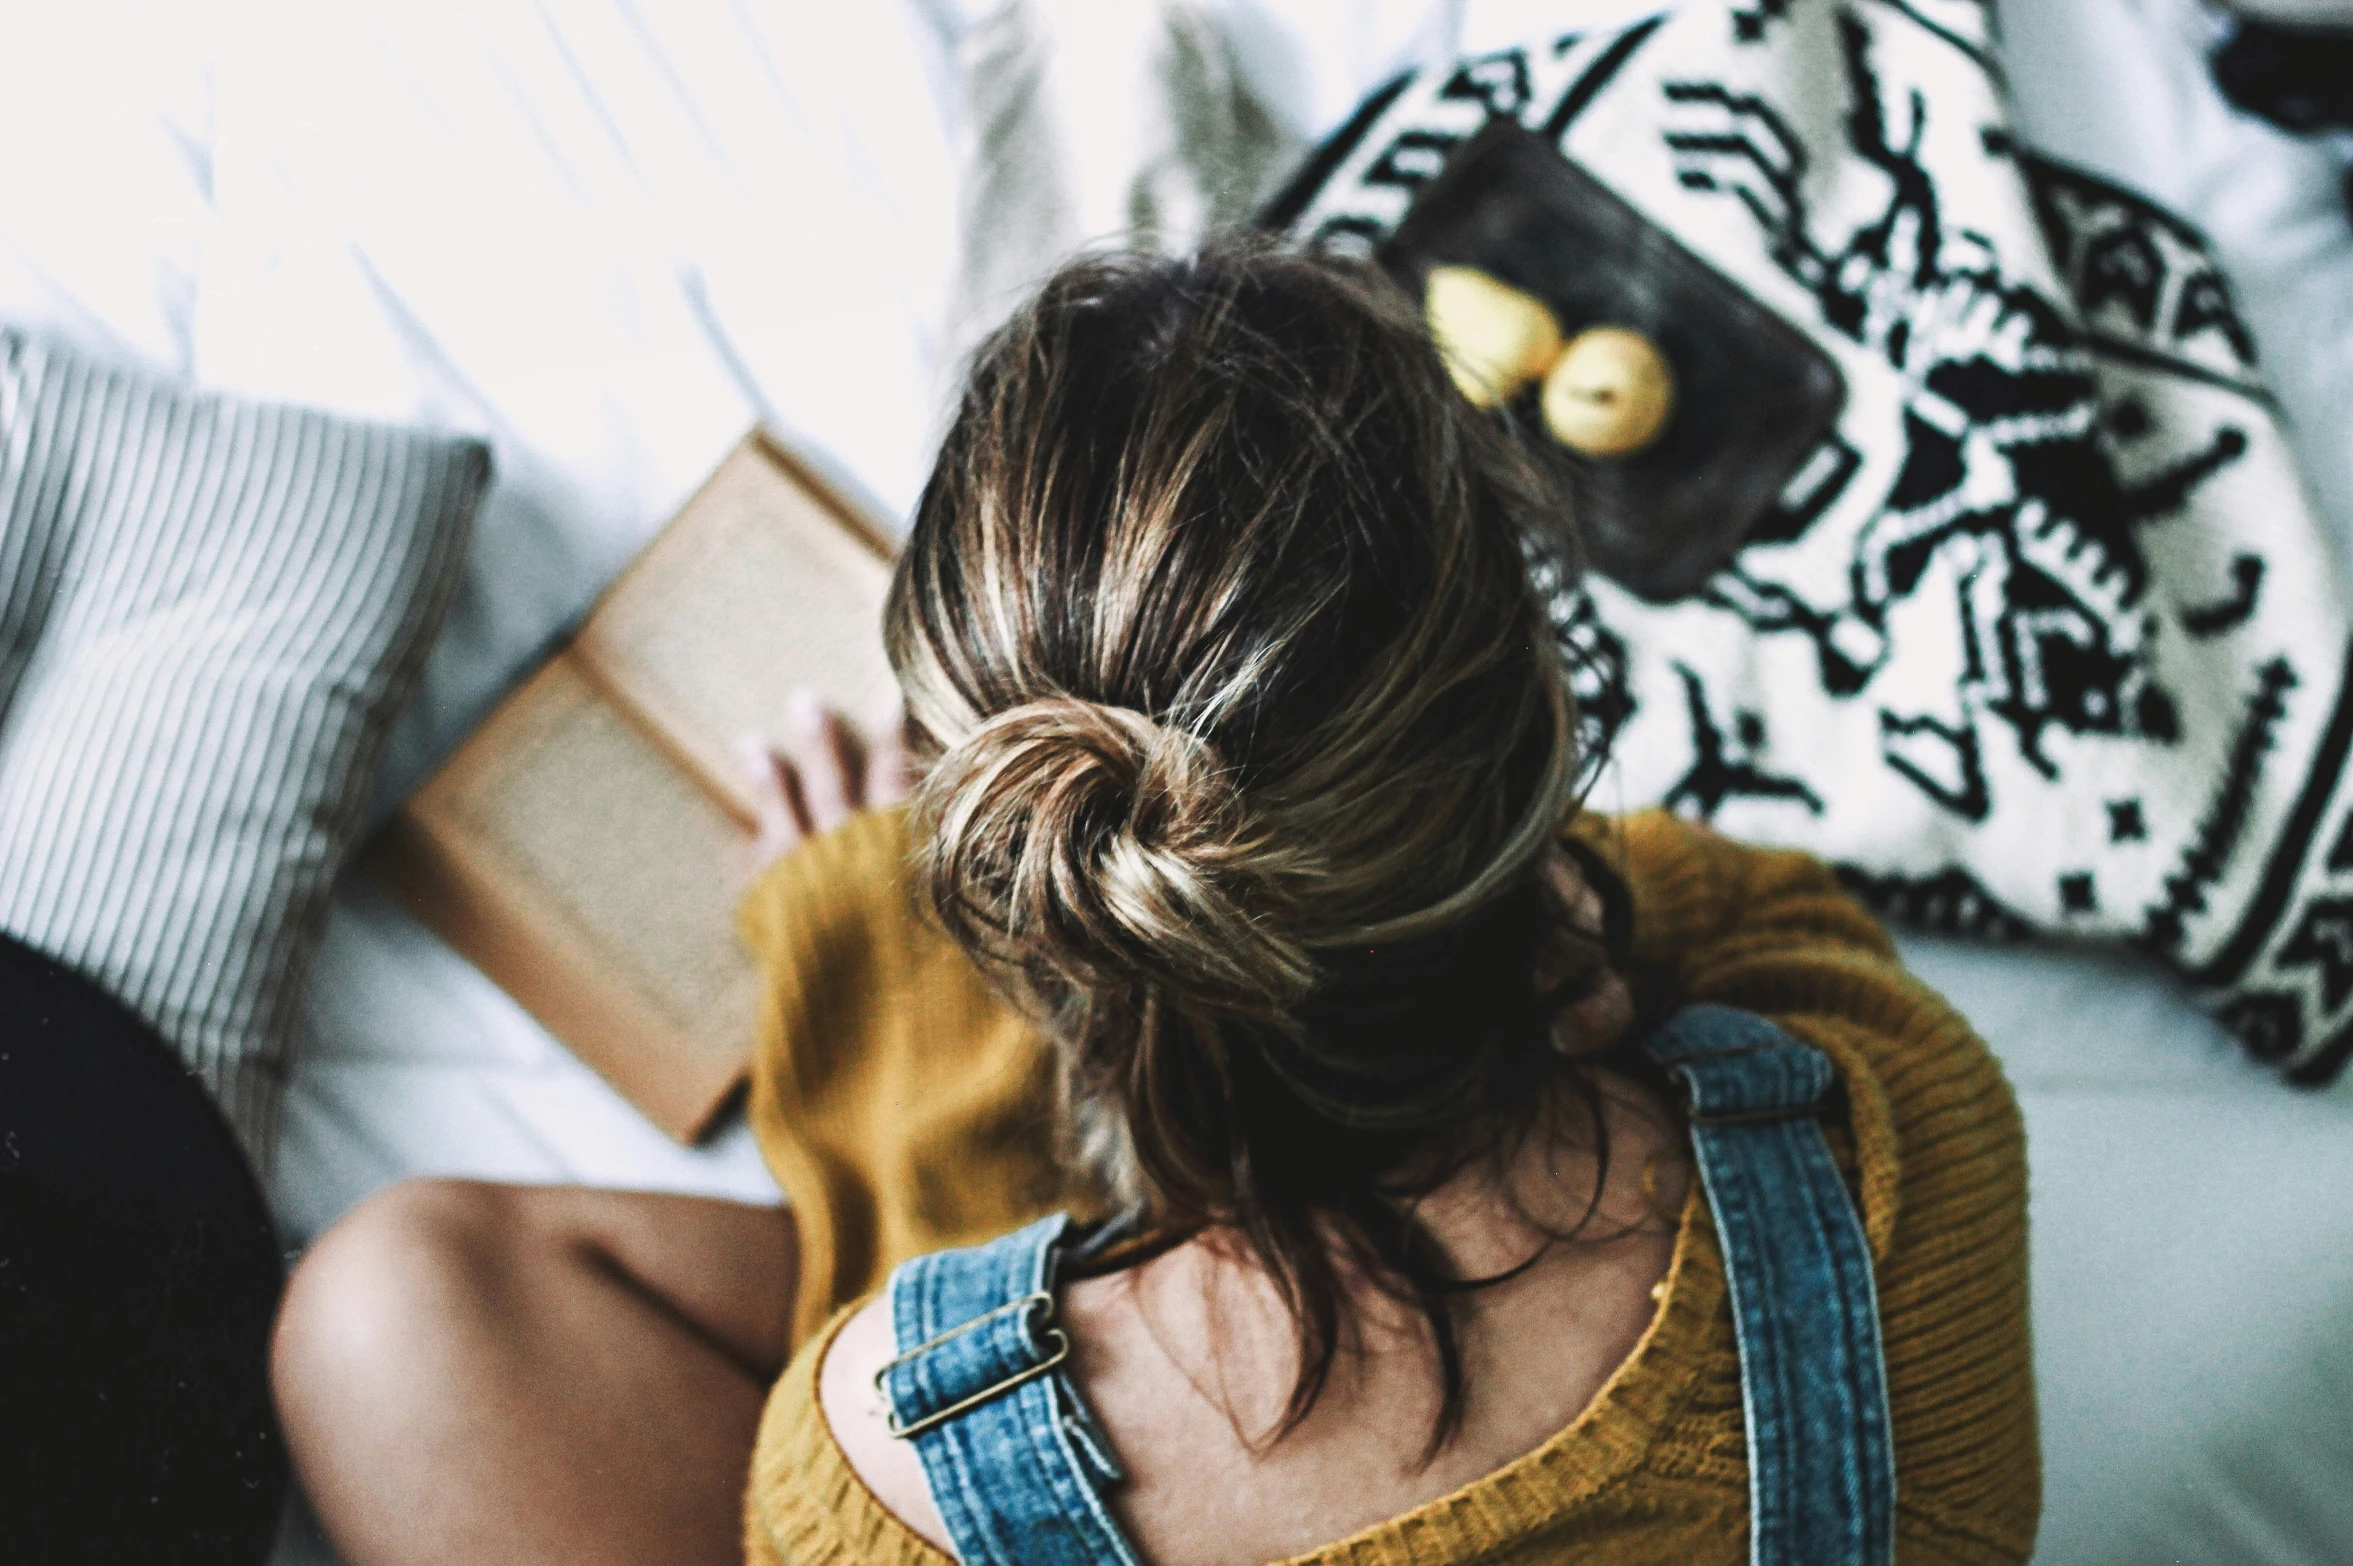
(855, 1412)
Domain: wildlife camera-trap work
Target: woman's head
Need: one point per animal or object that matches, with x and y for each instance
(1250, 733)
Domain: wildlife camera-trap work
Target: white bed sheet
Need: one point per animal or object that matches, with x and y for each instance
(610, 236)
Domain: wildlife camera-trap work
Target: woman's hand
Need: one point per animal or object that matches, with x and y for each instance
(826, 770)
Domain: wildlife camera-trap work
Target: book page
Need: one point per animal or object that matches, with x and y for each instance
(630, 873)
(764, 584)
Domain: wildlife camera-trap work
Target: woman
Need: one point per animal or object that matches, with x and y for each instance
(1248, 782)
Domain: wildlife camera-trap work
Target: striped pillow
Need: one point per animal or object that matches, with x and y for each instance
(209, 611)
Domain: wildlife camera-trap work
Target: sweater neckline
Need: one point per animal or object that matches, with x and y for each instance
(1594, 1452)
(1599, 1449)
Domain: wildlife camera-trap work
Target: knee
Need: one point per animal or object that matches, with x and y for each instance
(388, 1290)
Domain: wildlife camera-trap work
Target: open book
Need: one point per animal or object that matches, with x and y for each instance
(585, 848)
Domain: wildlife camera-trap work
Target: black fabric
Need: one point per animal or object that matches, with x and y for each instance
(2300, 78)
(139, 1273)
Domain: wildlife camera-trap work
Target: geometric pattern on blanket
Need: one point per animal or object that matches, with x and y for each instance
(2044, 639)
(210, 611)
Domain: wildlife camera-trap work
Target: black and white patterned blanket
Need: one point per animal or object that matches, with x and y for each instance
(2043, 639)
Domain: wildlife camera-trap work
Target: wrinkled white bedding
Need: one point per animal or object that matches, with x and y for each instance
(611, 236)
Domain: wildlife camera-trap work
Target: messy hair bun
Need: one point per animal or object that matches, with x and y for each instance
(1248, 734)
(1109, 850)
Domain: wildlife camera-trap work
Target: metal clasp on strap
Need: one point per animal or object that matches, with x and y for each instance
(1055, 1336)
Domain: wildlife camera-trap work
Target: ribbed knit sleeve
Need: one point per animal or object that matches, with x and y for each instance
(898, 1102)
(805, 1505)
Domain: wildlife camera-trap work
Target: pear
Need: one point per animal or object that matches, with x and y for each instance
(1609, 394)
(1494, 338)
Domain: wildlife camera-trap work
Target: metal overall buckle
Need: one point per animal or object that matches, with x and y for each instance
(1058, 1340)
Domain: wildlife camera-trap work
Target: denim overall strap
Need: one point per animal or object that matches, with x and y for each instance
(1014, 1463)
(1821, 1455)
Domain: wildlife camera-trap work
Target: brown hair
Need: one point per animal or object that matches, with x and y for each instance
(1249, 732)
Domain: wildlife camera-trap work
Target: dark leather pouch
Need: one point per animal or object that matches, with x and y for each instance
(1752, 436)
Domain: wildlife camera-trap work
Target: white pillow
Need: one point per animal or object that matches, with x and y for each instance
(209, 609)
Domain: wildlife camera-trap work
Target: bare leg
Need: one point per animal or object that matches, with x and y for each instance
(516, 1374)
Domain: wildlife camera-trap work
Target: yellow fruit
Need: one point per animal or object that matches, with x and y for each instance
(1609, 394)
(1495, 339)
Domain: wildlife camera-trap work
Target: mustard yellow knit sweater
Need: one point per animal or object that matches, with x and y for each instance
(900, 1106)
